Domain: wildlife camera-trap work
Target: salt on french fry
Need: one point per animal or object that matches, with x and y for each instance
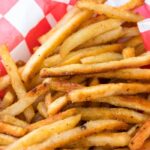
(77, 133)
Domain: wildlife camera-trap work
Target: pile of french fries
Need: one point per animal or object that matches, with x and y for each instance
(86, 87)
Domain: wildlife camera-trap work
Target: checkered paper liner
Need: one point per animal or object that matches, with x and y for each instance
(23, 21)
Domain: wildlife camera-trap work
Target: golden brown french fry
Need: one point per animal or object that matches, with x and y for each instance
(140, 137)
(6, 139)
(135, 74)
(104, 38)
(95, 113)
(44, 132)
(62, 22)
(132, 4)
(77, 133)
(34, 63)
(109, 11)
(52, 119)
(130, 32)
(78, 69)
(128, 52)
(8, 99)
(135, 41)
(4, 82)
(42, 109)
(95, 92)
(13, 121)
(15, 78)
(12, 130)
(86, 34)
(132, 102)
(74, 57)
(106, 57)
(103, 139)
(29, 98)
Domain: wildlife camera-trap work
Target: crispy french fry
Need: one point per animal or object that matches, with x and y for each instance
(128, 52)
(15, 78)
(109, 11)
(130, 32)
(103, 139)
(29, 98)
(6, 139)
(95, 92)
(135, 74)
(95, 113)
(12, 130)
(86, 34)
(4, 82)
(13, 121)
(74, 57)
(77, 133)
(78, 69)
(52, 119)
(8, 99)
(44, 132)
(105, 38)
(106, 57)
(42, 109)
(140, 137)
(34, 63)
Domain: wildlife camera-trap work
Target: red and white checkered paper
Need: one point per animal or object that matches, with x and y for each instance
(23, 21)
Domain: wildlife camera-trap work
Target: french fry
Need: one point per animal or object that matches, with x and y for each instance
(8, 99)
(122, 114)
(106, 57)
(103, 139)
(77, 133)
(34, 63)
(95, 92)
(109, 11)
(12, 130)
(4, 82)
(128, 52)
(146, 145)
(29, 98)
(6, 139)
(52, 119)
(13, 121)
(14, 75)
(133, 74)
(74, 57)
(44, 132)
(135, 41)
(140, 137)
(130, 32)
(78, 69)
(86, 34)
(104, 38)
(48, 99)
(42, 109)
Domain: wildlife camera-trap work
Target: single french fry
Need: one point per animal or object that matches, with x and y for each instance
(44, 132)
(95, 92)
(74, 57)
(104, 38)
(52, 119)
(103, 139)
(29, 98)
(106, 57)
(131, 32)
(77, 133)
(34, 63)
(42, 109)
(4, 82)
(135, 41)
(86, 34)
(140, 137)
(13, 121)
(12, 130)
(8, 99)
(128, 52)
(95, 113)
(109, 11)
(78, 69)
(15, 78)
(133, 74)
(48, 99)
(132, 102)
(6, 139)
